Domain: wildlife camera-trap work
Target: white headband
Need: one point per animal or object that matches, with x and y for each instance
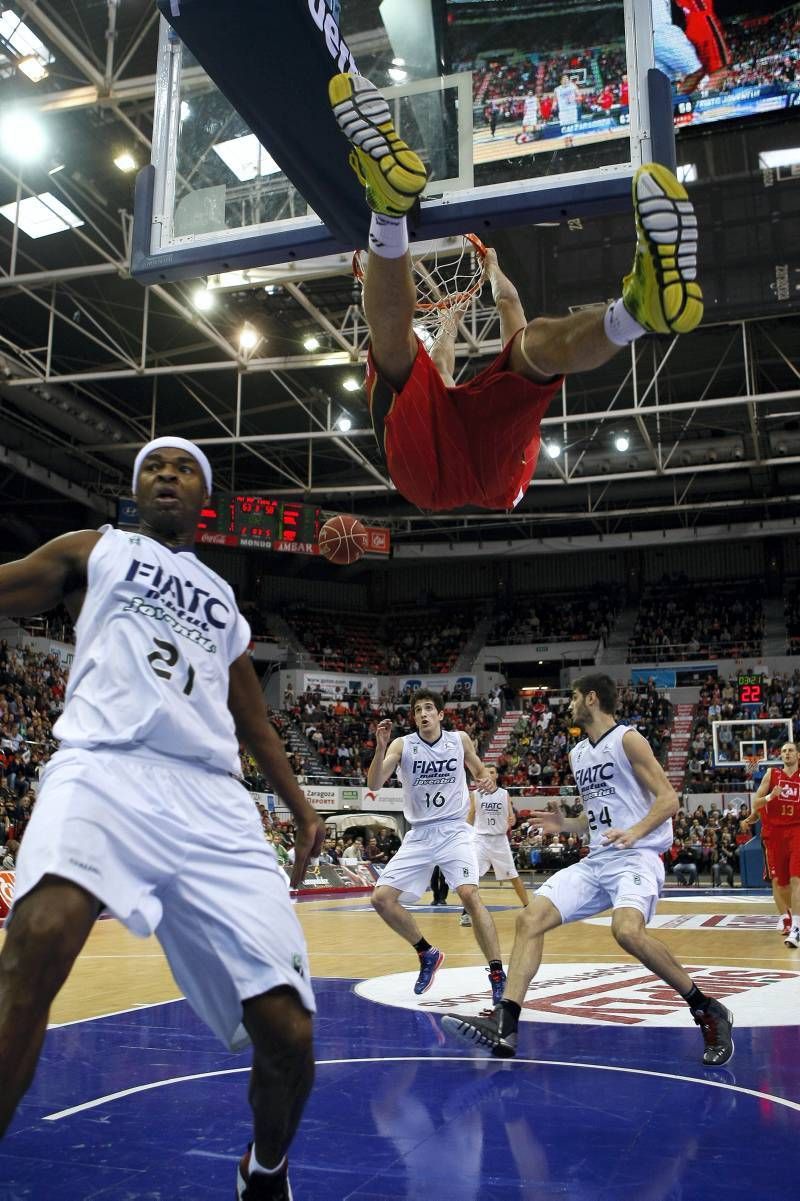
(179, 444)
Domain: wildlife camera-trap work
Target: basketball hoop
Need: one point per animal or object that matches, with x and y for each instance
(751, 763)
(446, 282)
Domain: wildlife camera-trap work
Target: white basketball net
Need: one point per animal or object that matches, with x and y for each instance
(447, 279)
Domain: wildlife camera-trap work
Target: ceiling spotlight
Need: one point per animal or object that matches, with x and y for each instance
(186, 110)
(125, 162)
(33, 67)
(248, 338)
(203, 300)
(622, 443)
(22, 136)
(344, 422)
(397, 74)
(553, 449)
(311, 343)
(351, 384)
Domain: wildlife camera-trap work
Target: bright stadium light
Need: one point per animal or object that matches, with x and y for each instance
(203, 300)
(33, 67)
(125, 162)
(622, 443)
(553, 449)
(22, 136)
(344, 422)
(248, 338)
(311, 343)
(351, 384)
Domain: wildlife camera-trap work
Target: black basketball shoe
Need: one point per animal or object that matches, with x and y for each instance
(716, 1023)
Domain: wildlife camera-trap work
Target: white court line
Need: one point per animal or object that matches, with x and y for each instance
(114, 1013)
(324, 1063)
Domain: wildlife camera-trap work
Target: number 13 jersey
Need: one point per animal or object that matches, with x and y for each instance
(612, 796)
(155, 638)
(433, 778)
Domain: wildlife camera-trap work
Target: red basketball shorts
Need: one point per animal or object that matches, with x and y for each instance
(705, 33)
(475, 444)
(782, 854)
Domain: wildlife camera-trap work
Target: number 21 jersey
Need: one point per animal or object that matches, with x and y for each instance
(156, 636)
(433, 779)
(612, 796)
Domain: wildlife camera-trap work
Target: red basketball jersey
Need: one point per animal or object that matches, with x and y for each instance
(784, 810)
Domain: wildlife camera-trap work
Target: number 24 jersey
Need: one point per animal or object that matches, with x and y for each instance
(612, 796)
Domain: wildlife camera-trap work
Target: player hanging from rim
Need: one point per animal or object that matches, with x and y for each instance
(477, 444)
(492, 817)
(777, 803)
(628, 805)
(430, 766)
(127, 817)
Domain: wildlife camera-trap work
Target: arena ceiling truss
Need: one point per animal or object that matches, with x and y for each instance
(91, 363)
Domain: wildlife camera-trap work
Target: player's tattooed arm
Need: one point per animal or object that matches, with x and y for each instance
(384, 761)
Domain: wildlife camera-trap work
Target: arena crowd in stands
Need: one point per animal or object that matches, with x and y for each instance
(409, 641)
(567, 618)
(711, 621)
(32, 687)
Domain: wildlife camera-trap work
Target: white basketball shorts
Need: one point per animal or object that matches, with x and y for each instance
(177, 850)
(568, 115)
(494, 851)
(674, 53)
(450, 845)
(611, 880)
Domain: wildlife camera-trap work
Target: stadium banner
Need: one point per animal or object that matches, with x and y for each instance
(521, 652)
(327, 683)
(464, 683)
(379, 540)
(335, 796)
(6, 893)
(329, 877)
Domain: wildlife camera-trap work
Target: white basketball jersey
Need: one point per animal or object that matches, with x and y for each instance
(567, 96)
(155, 638)
(433, 779)
(491, 812)
(531, 114)
(612, 796)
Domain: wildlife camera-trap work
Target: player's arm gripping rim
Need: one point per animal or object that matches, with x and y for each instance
(651, 776)
(763, 795)
(473, 764)
(255, 730)
(47, 576)
(383, 762)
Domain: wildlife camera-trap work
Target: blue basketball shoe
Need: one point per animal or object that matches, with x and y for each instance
(429, 964)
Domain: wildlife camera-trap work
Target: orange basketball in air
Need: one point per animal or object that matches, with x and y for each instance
(342, 539)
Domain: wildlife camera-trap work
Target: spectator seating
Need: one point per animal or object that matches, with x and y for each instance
(567, 617)
(710, 620)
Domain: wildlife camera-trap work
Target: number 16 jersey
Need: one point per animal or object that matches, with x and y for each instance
(433, 778)
(612, 796)
(156, 636)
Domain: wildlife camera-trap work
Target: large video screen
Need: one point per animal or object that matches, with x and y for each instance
(551, 74)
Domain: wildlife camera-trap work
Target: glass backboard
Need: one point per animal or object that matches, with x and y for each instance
(524, 110)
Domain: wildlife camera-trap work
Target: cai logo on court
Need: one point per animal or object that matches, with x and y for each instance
(602, 994)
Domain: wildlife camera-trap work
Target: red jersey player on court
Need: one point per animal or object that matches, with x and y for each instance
(777, 803)
(477, 444)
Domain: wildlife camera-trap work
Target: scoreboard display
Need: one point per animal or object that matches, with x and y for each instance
(750, 689)
(238, 519)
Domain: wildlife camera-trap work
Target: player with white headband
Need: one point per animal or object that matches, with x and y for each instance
(127, 818)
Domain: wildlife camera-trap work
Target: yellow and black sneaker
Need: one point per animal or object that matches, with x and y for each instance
(391, 172)
(662, 291)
